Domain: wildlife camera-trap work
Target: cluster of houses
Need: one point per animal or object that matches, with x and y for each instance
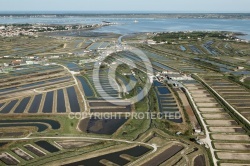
(171, 75)
(9, 66)
(31, 30)
(14, 31)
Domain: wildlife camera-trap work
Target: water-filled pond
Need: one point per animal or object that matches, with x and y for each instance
(167, 103)
(114, 157)
(22, 106)
(9, 107)
(48, 103)
(163, 90)
(86, 87)
(162, 66)
(74, 105)
(60, 102)
(34, 150)
(41, 127)
(73, 67)
(47, 146)
(183, 48)
(59, 79)
(2, 104)
(7, 89)
(164, 156)
(35, 104)
(101, 126)
(33, 84)
(55, 125)
(3, 143)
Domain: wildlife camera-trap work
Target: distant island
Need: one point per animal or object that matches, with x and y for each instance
(131, 15)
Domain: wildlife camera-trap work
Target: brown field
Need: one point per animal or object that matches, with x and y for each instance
(227, 129)
(244, 110)
(200, 161)
(164, 156)
(238, 98)
(211, 109)
(200, 95)
(232, 90)
(207, 104)
(235, 92)
(225, 87)
(233, 156)
(221, 122)
(216, 116)
(22, 154)
(203, 100)
(199, 92)
(230, 137)
(194, 87)
(8, 159)
(35, 150)
(72, 144)
(233, 164)
(232, 146)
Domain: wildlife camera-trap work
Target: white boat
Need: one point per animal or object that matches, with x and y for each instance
(135, 21)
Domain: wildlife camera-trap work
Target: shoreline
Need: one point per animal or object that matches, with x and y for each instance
(96, 29)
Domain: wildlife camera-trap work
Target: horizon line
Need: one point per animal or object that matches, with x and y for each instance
(125, 11)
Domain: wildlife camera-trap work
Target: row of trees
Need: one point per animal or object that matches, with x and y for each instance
(163, 37)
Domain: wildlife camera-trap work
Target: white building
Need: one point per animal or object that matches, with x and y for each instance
(30, 62)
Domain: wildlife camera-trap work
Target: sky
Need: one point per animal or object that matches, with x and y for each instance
(127, 5)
